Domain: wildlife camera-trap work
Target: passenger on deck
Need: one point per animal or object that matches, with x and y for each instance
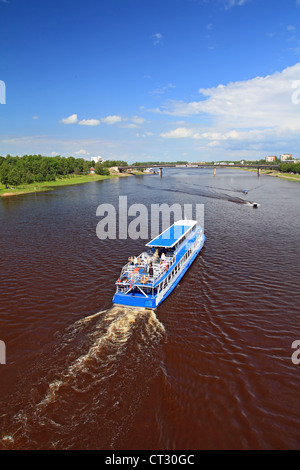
(135, 261)
(150, 270)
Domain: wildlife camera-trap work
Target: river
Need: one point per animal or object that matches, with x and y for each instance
(211, 368)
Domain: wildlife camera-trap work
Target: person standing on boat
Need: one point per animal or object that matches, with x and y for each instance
(150, 270)
(146, 266)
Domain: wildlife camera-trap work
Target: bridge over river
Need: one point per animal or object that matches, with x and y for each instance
(259, 167)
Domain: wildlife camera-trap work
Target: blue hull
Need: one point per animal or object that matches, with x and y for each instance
(139, 300)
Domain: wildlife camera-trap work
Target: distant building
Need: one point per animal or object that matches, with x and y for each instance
(92, 170)
(271, 158)
(286, 156)
(98, 159)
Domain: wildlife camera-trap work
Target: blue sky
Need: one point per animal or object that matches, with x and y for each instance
(143, 80)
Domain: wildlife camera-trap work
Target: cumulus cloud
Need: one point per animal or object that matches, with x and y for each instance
(70, 120)
(89, 122)
(111, 119)
(259, 102)
(179, 133)
(257, 141)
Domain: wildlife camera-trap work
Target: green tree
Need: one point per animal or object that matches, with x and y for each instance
(100, 170)
(29, 178)
(14, 177)
(4, 172)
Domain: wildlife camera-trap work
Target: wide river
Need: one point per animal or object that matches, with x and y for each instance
(211, 368)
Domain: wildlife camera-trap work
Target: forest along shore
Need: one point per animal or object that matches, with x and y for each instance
(49, 185)
(71, 180)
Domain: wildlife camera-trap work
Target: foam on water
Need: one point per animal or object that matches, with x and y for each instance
(88, 374)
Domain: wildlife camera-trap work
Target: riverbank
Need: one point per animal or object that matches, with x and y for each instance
(49, 185)
(72, 180)
(276, 173)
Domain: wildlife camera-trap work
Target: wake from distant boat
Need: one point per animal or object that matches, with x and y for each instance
(211, 193)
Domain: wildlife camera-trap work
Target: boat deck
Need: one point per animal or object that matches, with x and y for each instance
(139, 275)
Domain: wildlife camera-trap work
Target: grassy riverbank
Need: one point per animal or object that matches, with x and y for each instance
(279, 174)
(276, 173)
(49, 185)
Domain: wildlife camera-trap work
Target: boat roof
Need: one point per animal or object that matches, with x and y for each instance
(172, 235)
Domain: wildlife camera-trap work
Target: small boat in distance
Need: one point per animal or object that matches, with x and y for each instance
(145, 281)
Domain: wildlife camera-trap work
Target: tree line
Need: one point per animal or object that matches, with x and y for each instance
(289, 167)
(37, 168)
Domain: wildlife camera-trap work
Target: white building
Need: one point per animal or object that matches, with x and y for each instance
(98, 159)
(270, 158)
(286, 156)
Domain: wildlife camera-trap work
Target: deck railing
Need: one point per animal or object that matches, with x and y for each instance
(132, 277)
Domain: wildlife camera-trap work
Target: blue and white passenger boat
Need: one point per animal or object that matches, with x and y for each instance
(146, 280)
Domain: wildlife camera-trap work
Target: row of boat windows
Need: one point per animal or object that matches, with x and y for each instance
(177, 268)
(187, 235)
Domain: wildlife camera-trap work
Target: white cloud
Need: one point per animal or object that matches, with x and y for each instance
(35, 117)
(179, 133)
(130, 125)
(70, 120)
(259, 102)
(145, 134)
(163, 89)
(81, 152)
(232, 3)
(157, 38)
(138, 120)
(111, 119)
(257, 142)
(89, 122)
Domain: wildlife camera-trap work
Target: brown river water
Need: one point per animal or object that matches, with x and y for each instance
(211, 368)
